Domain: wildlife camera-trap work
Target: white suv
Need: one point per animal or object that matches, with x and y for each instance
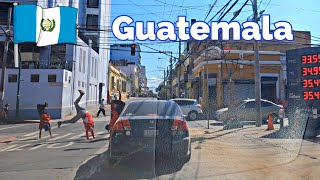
(189, 107)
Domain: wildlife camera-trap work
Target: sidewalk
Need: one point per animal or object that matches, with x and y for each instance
(92, 110)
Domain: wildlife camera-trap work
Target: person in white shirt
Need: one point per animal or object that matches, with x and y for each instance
(101, 108)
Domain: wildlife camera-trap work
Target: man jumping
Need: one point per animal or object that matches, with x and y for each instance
(84, 114)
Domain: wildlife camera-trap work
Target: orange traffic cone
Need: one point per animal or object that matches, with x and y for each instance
(270, 123)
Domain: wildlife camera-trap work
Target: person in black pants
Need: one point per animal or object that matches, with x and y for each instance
(101, 108)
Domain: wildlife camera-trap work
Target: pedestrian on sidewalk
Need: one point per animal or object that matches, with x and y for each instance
(115, 96)
(108, 98)
(119, 95)
(44, 119)
(84, 114)
(101, 108)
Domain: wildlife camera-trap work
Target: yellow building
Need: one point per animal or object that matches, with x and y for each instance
(231, 74)
(118, 82)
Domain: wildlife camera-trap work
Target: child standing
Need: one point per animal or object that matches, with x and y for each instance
(44, 119)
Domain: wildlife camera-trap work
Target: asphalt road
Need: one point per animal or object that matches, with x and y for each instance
(216, 154)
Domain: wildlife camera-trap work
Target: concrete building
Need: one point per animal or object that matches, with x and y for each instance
(119, 82)
(143, 80)
(55, 73)
(231, 70)
(120, 56)
(122, 52)
(132, 71)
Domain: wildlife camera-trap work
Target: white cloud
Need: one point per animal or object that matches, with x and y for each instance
(154, 82)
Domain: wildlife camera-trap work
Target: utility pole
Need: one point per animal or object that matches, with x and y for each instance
(168, 79)
(4, 60)
(257, 70)
(170, 76)
(207, 87)
(179, 69)
(164, 84)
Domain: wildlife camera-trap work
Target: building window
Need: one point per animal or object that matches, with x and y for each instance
(79, 84)
(84, 62)
(92, 66)
(52, 78)
(112, 82)
(92, 22)
(82, 84)
(93, 3)
(69, 79)
(96, 70)
(35, 77)
(66, 76)
(12, 78)
(80, 60)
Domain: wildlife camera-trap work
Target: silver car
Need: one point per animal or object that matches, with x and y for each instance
(189, 107)
(245, 111)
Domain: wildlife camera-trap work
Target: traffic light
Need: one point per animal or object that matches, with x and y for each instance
(185, 76)
(133, 49)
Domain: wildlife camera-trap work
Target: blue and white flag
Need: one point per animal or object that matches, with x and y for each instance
(44, 26)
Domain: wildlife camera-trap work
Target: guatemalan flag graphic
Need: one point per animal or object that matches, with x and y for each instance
(44, 26)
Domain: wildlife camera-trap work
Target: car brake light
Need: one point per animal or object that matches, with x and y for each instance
(122, 125)
(199, 106)
(179, 125)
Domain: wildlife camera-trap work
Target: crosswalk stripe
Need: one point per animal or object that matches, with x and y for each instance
(60, 137)
(78, 136)
(34, 133)
(12, 146)
(38, 146)
(54, 146)
(18, 148)
(10, 127)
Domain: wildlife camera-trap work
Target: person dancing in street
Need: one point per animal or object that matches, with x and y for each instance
(84, 114)
(44, 119)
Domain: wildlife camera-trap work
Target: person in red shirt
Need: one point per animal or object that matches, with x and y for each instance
(83, 114)
(44, 119)
(116, 109)
(88, 124)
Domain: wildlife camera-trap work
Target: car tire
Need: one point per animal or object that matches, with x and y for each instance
(188, 157)
(275, 118)
(193, 115)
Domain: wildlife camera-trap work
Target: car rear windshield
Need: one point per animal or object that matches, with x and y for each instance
(154, 108)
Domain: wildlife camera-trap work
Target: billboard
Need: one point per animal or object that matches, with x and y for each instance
(303, 88)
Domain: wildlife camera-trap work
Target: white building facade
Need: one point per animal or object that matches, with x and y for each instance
(54, 74)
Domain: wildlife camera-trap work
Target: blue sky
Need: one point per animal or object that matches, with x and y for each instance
(302, 15)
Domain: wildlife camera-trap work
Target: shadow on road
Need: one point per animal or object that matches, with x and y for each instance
(141, 165)
(286, 133)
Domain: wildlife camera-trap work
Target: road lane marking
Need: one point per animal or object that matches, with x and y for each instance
(12, 146)
(38, 146)
(18, 148)
(10, 127)
(77, 136)
(60, 137)
(31, 138)
(54, 146)
(37, 132)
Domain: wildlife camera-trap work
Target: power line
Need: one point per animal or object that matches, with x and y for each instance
(214, 3)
